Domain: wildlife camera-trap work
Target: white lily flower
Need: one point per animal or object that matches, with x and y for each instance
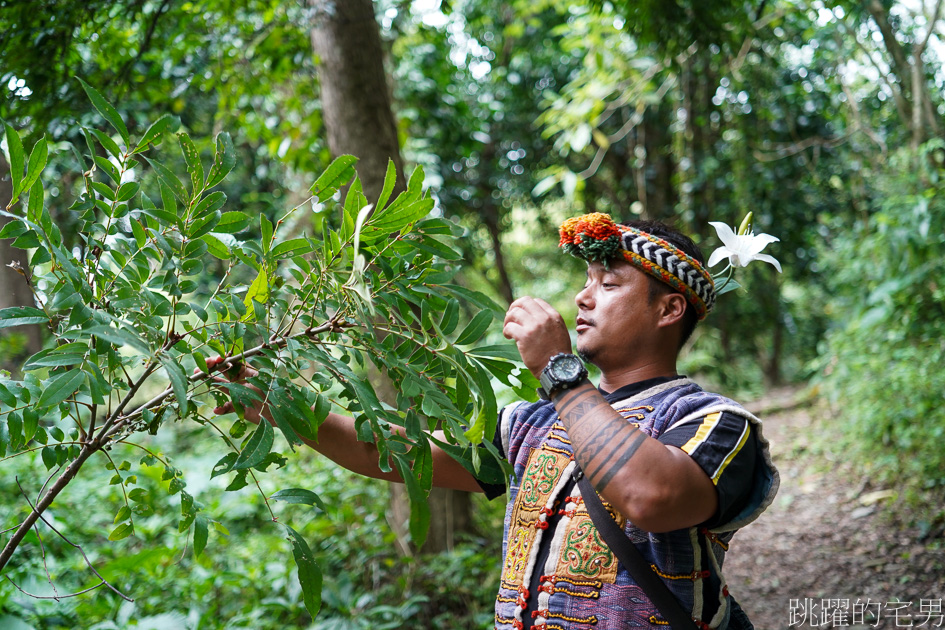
(741, 249)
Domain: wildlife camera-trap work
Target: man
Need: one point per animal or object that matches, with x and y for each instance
(681, 468)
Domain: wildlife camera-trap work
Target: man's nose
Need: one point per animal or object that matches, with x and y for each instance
(584, 297)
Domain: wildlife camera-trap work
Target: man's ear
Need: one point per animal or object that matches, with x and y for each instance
(673, 308)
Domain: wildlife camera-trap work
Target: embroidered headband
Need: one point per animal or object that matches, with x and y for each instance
(595, 237)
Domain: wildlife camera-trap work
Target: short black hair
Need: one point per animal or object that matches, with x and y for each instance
(657, 288)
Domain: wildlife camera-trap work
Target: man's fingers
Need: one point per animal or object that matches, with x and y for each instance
(225, 408)
(548, 309)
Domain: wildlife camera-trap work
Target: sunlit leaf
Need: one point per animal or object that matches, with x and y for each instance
(339, 172)
(107, 111)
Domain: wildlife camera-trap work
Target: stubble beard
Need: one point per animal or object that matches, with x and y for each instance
(587, 355)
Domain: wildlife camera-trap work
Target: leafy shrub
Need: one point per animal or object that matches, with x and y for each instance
(132, 309)
(882, 365)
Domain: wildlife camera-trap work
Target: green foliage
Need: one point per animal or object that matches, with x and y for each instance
(882, 365)
(674, 26)
(127, 314)
(244, 578)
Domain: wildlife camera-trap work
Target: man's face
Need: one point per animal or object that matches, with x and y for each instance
(614, 315)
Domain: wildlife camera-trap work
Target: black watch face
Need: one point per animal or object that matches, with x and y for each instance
(566, 368)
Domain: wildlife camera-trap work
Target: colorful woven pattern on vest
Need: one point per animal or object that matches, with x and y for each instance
(595, 237)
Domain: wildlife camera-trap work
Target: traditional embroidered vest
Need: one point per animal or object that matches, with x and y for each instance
(582, 585)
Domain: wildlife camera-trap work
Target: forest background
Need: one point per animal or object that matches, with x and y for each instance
(822, 118)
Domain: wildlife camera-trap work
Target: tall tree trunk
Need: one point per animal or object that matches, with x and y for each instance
(359, 120)
(356, 101)
(14, 291)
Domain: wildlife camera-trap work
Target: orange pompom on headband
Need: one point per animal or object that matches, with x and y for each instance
(595, 237)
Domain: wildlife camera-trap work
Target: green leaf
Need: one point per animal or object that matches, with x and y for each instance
(6, 396)
(109, 145)
(232, 222)
(37, 163)
(141, 237)
(265, 228)
(13, 228)
(258, 291)
(122, 531)
(201, 532)
(338, 173)
(21, 316)
(104, 190)
(165, 218)
(138, 495)
(30, 424)
(119, 337)
(49, 457)
(107, 111)
(435, 247)
(399, 218)
(474, 297)
(310, 575)
(223, 160)
(450, 317)
(204, 225)
(123, 513)
(292, 247)
(209, 204)
(55, 358)
(169, 179)
(257, 448)
(15, 147)
(499, 351)
(216, 247)
(110, 169)
(194, 167)
(474, 329)
(34, 209)
(127, 190)
(158, 127)
(390, 180)
(177, 376)
(419, 521)
(299, 496)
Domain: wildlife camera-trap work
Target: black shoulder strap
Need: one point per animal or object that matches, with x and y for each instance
(631, 558)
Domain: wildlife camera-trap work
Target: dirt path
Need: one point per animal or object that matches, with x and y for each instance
(830, 536)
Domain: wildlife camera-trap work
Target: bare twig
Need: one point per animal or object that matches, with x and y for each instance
(46, 500)
(57, 597)
(78, 547)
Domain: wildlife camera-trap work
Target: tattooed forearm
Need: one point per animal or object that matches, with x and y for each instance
(604, 442)
(622, 456)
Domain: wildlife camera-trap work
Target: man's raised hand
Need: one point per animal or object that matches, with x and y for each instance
(538, 330)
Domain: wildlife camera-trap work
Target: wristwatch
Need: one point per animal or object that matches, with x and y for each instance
(564, 371)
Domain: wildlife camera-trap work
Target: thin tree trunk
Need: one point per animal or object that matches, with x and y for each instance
(359, 120)
(490, 213)
(14, 290)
